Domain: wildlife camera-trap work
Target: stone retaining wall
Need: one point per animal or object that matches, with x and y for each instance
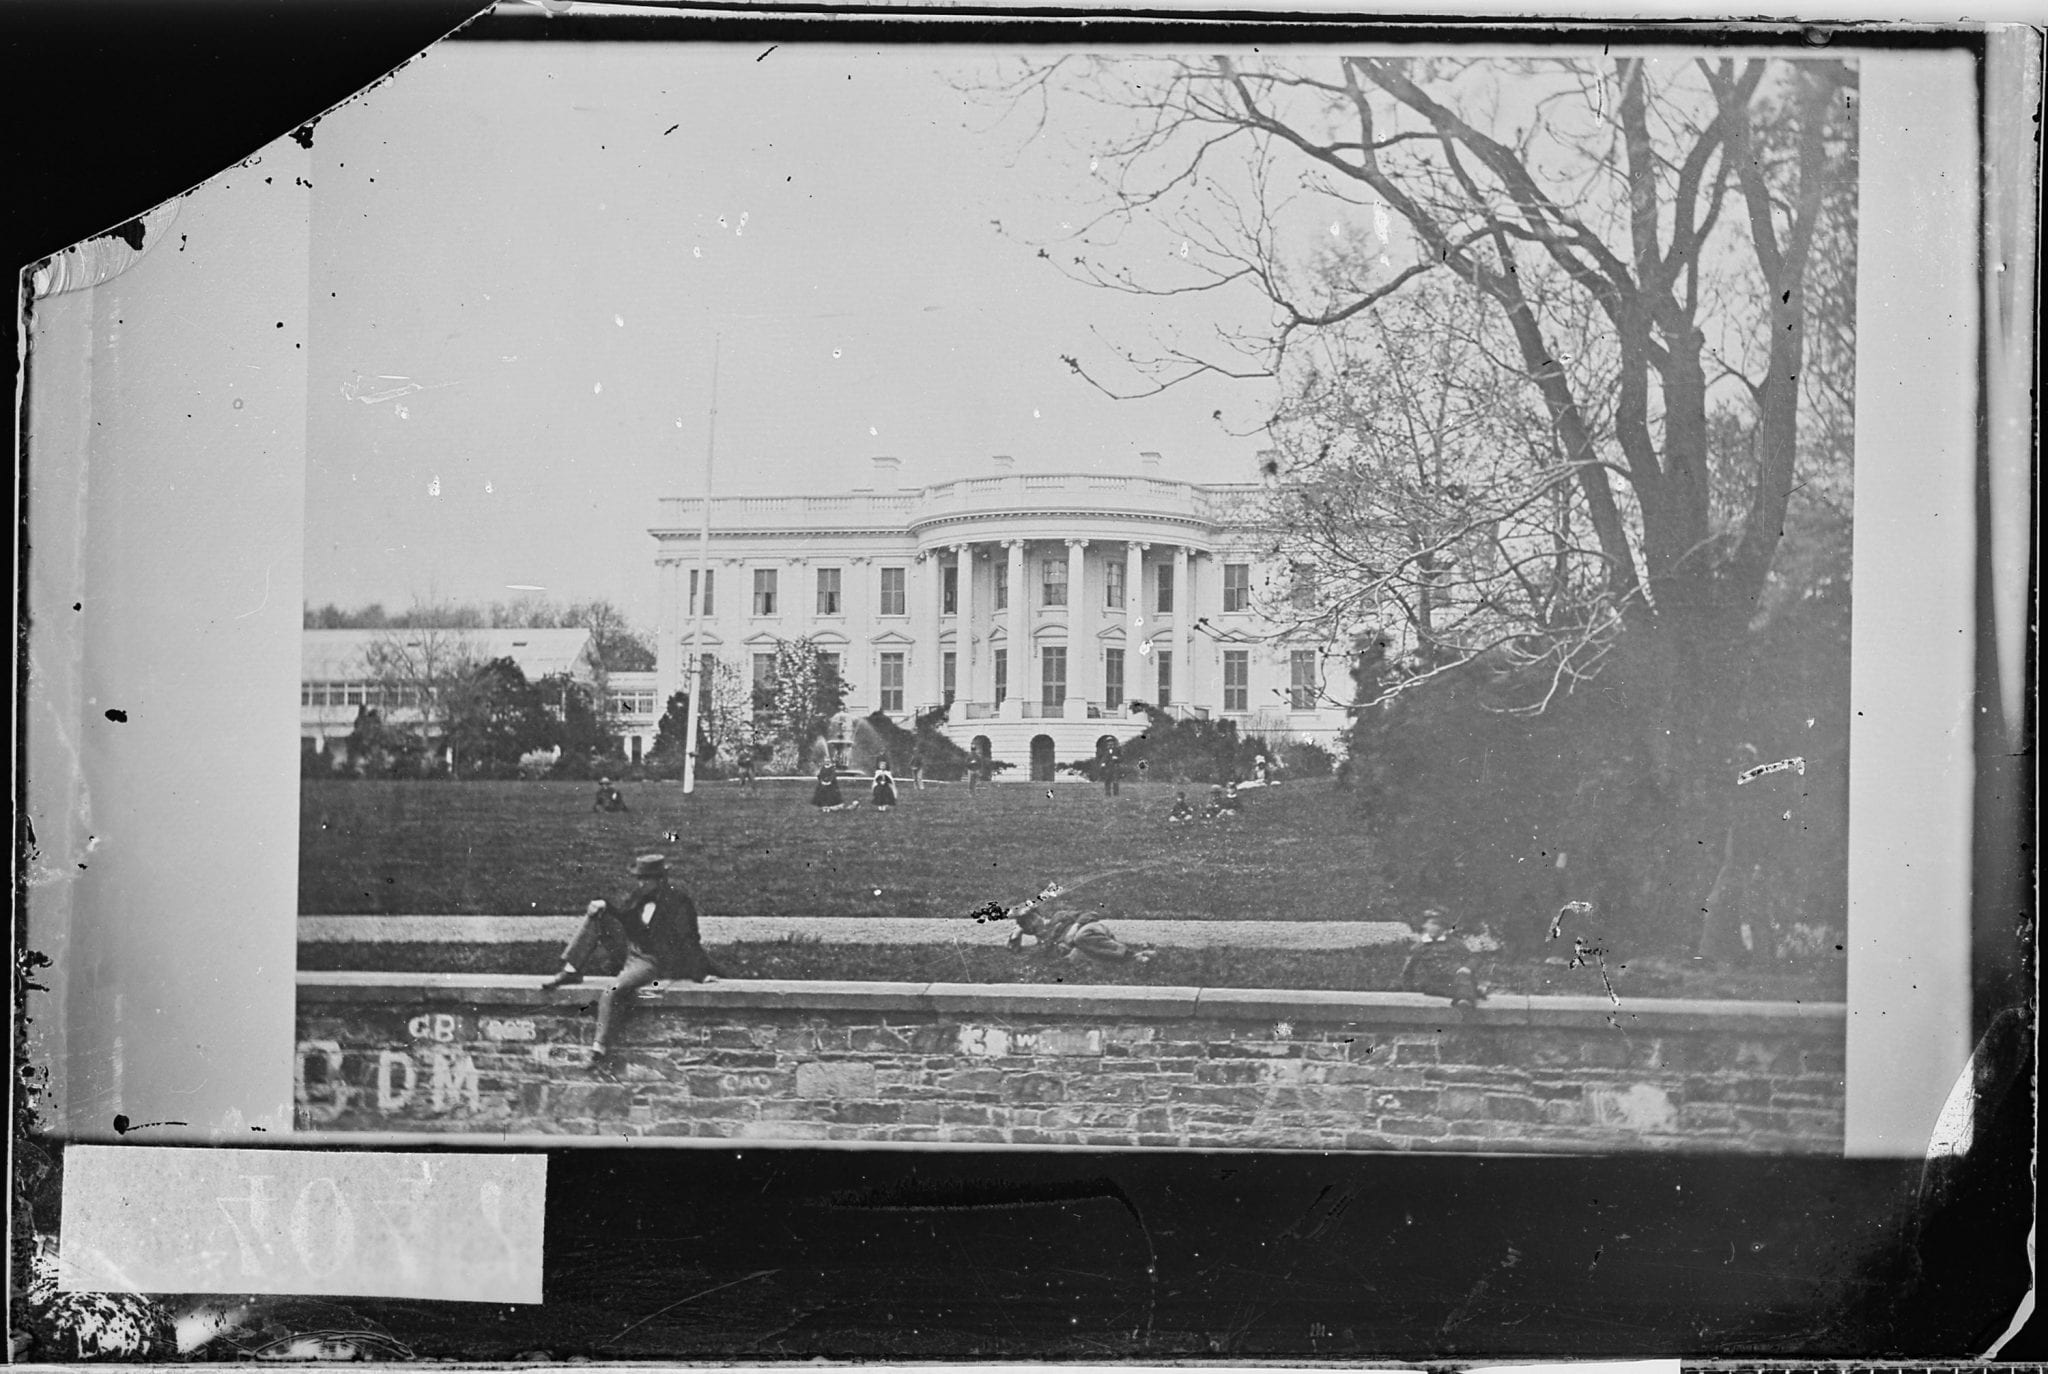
(1081, 1066)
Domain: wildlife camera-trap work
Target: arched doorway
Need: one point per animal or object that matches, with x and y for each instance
(1042, 760)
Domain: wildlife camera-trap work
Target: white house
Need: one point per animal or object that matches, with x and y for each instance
(1039, 605)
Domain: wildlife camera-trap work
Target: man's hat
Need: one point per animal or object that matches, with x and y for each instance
(651, 866)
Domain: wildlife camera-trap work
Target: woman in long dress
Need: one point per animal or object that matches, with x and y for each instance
(825, 796)
(885, 786)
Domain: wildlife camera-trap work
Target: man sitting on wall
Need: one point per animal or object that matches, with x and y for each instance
(656, 925)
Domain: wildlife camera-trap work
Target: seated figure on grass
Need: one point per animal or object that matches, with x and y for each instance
(1061, 930)
(1440, 966)
(608, 797)
(825, 796)
(656, 926)
(1181, 812)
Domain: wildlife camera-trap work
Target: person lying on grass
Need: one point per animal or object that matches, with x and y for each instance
(1440, 966)
(1061, 930)
(656, 925)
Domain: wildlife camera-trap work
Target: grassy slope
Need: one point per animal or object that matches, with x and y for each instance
(505, 848)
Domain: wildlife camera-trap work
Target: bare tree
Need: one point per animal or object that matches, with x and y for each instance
(1668, 246)
(1413, 495)
(427, 673)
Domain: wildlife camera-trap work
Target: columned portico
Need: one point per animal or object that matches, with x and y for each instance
(1083, 676)
(1136, 660)
(1183, 620)
(967, 683)
(1018, 636)
(931, 656)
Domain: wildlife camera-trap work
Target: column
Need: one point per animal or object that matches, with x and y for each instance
(1183, 659)
(666, 645)
(965, 686)
(1136, 664)
(1019, 645)
(1081, 672)
(862, 600)
(931, 675)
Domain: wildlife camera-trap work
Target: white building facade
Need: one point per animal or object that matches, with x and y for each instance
(336, 680)
(1037, 606)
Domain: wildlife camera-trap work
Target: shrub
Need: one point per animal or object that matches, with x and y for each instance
(944, 761)
(1187, 750)
(1306, 759)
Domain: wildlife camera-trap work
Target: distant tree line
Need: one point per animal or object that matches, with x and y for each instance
(619, 647)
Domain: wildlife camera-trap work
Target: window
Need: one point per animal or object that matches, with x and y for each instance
(1237, 679)
(1053, 674)
(1113, 586)
(949, 675)
(1301, 592)
(305, 694)
(1001, 662)
(707, 668)
(892, 680)
(353, 694)
(1301, 687)
(828, 669)
(1113, 679)
(710, 590)
(1165, 574)
(1002, 572)
(828, 591)
(764, 591)
(1165, 678)
(949, 590)
(764, 672)
(893, 596)
(636, 702)
(1054, 576)
(1237, 586)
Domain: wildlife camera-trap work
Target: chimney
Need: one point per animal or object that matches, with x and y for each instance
(886, 473)
(1004, 462)
(1148, 462)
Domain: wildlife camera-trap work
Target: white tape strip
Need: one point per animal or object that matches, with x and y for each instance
(454, 1227)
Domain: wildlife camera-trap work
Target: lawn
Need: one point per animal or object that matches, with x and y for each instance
(370, 848)
(410, 848)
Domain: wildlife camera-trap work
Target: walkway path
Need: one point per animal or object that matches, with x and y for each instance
(853, 930)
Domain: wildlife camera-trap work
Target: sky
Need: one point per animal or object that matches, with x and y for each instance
(525, 256)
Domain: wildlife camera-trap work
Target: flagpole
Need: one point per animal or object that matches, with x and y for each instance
(693, 668)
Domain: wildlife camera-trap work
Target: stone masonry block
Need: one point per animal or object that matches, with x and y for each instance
(1033, 1087)
(844, 1079)
(1106, 1087)
(601, 1100)
(971, 1081)
(877, 1039)
(1461, 1103)
(1639, 1107)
